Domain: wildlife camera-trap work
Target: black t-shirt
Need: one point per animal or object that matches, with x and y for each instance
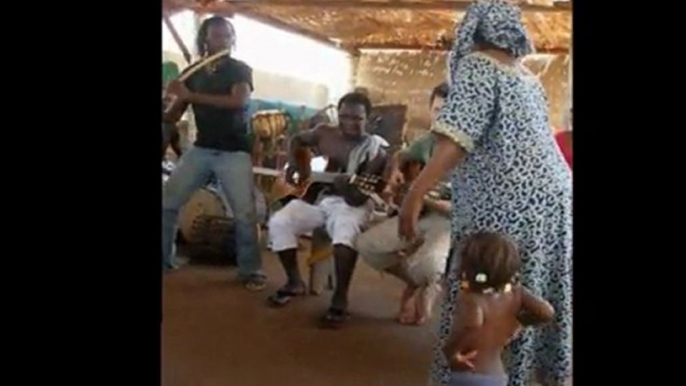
(221, 128)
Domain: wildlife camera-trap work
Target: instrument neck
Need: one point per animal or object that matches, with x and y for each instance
(327, 177)
(225, 53)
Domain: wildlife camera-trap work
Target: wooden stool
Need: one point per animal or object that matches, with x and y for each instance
(320, 262)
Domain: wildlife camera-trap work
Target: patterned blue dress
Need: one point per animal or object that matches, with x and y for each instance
(513, 180)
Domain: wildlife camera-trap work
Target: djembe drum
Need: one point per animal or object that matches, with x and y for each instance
(269, 128)
(206, 223)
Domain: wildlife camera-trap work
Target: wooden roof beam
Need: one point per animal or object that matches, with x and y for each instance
(229, 10)
(393, 4)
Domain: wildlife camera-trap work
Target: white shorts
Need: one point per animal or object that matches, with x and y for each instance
(343, 222)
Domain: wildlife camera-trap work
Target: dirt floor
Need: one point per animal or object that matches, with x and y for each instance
(215, 333)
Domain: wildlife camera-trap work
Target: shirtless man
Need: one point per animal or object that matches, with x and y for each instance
(420, 266)
(343, 221)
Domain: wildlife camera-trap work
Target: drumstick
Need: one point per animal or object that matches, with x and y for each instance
(193, 70)
(203, 63)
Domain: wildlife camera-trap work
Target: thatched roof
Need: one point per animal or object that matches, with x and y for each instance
(381, 24)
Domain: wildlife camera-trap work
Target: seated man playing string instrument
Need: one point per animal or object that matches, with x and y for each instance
(342, 208)
(420, 264)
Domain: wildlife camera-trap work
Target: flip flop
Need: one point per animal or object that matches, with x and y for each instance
(255, 283)
(334, 318)
(284, 296)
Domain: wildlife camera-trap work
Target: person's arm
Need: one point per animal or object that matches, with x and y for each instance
(173, 110)
(417, 151)
(351, 193)
(235, 99)
(299, 155)
(393, 165)
(236, 80)
(468, 317)
(399, 168)
(534, 310)
(237, 95)
(458, 127)
(446, 155)
(377, 165)
(302, 141)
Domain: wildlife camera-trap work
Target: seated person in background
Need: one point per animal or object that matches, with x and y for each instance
(419, 265)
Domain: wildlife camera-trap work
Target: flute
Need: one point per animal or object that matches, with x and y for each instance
(173, 104)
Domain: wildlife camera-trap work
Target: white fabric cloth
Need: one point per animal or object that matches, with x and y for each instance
(367, 150)
(343, 222)
(379, 245)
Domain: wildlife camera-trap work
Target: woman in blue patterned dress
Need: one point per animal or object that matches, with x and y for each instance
(511, 179)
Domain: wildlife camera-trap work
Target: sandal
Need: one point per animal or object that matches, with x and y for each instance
(334, 318)
(170, 267)
(255, 283)
(284, 296)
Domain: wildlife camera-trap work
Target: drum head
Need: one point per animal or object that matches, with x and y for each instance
(204, 202)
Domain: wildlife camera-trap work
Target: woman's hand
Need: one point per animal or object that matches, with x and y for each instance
(409, 215)
(396, 179)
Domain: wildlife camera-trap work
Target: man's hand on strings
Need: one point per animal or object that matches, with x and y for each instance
(303, 174)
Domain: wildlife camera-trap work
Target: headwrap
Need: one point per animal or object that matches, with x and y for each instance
(492, 22)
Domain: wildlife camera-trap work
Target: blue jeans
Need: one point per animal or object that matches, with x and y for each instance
(234, 172)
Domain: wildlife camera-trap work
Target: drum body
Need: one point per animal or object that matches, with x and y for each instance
(207, 217)
(269, 124)
(379, 247)
(269, 132)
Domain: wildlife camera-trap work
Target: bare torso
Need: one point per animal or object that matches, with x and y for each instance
(335, 147)
(498, 315)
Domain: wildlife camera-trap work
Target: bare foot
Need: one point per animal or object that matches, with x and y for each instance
(425, 300)
(407, 312)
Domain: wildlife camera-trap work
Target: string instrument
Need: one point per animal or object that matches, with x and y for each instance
(174, 102)
(309, 190)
